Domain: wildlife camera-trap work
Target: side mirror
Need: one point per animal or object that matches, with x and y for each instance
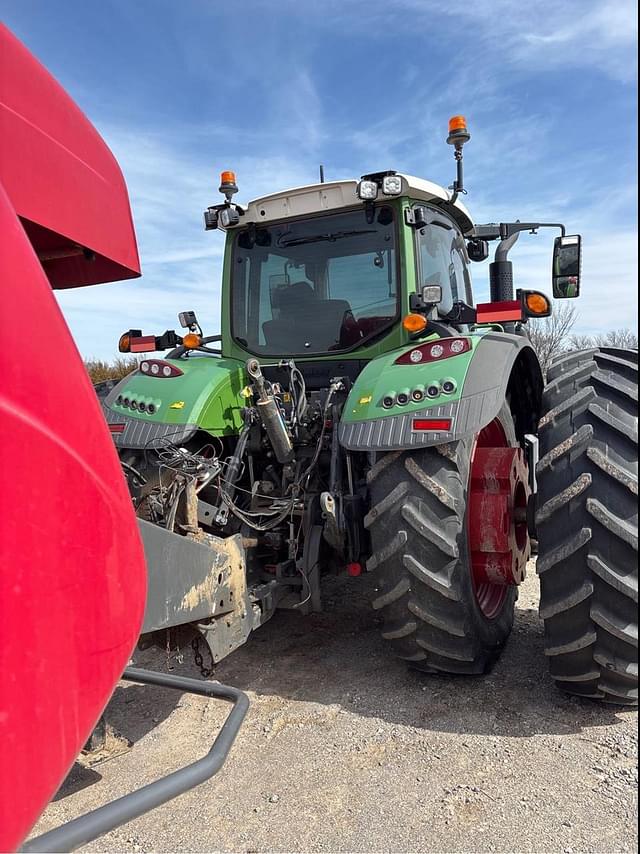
(567, 260)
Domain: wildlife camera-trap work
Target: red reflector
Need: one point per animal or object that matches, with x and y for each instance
(146, 344)
(442, 425)
(435, 351)
(117, 428)
(159, 368)
(354, 569)
(499, 312)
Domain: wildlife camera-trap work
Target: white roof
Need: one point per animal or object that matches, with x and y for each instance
(314, 198)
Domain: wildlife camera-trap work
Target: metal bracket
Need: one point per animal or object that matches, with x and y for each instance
(532, 450)
(91, 825)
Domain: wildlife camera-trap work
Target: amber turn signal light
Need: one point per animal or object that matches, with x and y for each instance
(124, 344)
(414, 323)
(191, 341)
(535, 304)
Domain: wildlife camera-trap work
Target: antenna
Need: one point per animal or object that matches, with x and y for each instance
(321, 174)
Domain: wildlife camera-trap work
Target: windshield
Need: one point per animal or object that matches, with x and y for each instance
(315, 285)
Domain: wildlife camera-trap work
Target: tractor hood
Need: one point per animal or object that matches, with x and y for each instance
(152, 410)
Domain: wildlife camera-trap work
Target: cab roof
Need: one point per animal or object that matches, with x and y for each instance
(333, 195)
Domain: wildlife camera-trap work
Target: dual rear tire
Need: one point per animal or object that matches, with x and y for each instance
(434, 614)
(587, 523)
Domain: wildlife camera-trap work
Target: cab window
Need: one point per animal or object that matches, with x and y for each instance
(441, 260)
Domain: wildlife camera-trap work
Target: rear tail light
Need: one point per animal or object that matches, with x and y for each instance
(441, 425)
(159, 368)
(144, 344)
(443, 348)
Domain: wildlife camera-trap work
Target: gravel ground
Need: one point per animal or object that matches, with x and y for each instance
(344, 749)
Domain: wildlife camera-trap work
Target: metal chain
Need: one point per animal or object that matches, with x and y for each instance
(197, 657)
(167, 649)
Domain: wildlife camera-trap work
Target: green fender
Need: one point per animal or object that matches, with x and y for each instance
(499, 366)
(207, 396)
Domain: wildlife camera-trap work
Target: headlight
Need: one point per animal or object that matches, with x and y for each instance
(392, 185)
(367, 191)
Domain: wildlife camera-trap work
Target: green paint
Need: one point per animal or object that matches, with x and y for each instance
(382, 377)
(208, 394)
(396, 337)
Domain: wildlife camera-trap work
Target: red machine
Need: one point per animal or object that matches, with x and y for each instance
(72, 584)
(72, 576)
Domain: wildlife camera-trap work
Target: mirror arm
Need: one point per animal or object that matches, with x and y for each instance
(503, 230)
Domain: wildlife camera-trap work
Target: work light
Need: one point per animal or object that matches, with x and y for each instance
(392, 185)
(229, 216)
(367, 191)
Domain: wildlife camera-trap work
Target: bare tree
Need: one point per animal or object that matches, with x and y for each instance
(551, 336)
(624, 338)
(581, 342)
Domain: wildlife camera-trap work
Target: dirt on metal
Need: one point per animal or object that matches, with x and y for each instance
(345, 750)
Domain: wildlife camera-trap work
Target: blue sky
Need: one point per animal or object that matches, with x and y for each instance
(183, 90)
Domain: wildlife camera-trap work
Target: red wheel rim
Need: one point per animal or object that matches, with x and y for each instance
(498, 493)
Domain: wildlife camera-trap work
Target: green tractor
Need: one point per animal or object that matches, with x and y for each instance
(359, 411)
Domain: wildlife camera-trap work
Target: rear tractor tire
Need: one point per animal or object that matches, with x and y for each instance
(449, 544)
(587, 523)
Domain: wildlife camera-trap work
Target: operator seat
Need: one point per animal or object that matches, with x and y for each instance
(305, 322)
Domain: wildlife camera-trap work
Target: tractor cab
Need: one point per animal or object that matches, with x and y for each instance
(334, 276)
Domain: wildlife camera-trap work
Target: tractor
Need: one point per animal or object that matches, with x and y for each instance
(358, 412)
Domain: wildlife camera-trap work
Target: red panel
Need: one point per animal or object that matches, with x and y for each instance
(60, 177)
(499, 312)
(72, 575)
(146, 344)
(439, 424)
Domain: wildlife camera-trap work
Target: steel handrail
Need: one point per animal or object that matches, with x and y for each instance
(99, 821)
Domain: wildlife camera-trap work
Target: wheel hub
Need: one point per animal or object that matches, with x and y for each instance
(499, 493)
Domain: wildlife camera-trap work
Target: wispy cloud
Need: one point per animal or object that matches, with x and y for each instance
(546, 35)
(363, 85)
